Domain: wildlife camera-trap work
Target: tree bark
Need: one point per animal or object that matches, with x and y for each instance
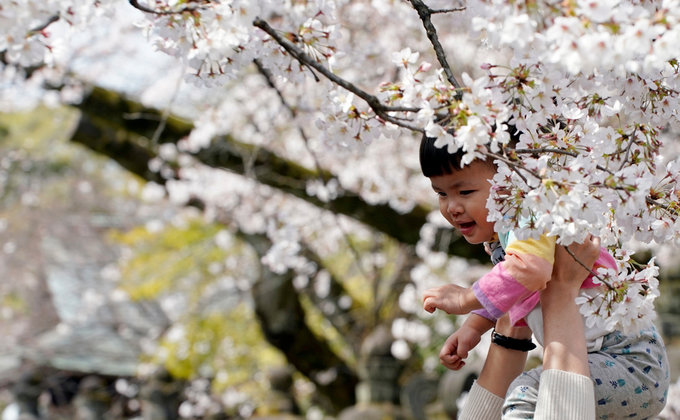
(282, 318)
(122, 128)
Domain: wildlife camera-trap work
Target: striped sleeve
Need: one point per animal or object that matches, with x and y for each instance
(485, 314)
(527, 268)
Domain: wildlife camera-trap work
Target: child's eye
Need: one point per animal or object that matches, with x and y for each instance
(440, 193)
(466, 192)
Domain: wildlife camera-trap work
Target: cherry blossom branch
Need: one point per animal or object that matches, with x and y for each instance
(270, 81)
(373, 102)
(558, 152)
(513, 166)
(425, 14)
(630, 146)
(673, 211)
(451, 10)
(546, 150)
(49, 21)
(145, 9)
(590, 270)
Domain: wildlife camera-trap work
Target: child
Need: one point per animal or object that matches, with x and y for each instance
(630, 373)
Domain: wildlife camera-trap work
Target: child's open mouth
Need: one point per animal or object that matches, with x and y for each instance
(466, 228)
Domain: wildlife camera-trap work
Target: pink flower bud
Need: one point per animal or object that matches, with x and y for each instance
(424, 67)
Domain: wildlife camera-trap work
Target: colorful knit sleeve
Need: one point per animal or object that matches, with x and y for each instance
(485, 314)
(527, 268)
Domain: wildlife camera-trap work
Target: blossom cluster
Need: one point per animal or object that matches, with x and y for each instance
(218, 39)
(586, 97)
(589, 89)
(27, 36)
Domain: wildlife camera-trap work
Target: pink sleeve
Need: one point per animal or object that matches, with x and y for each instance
(497, 291)
(484, 314)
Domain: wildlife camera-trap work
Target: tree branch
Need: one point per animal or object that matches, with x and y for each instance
(103, 128)
(145, 9)
(425, 14)
(50, 21)
(378, 107)
(557, 152)
(451, 10)
(590, 269)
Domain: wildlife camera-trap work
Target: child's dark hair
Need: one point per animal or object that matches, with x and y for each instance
(436, 161)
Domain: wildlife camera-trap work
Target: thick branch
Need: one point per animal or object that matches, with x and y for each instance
(108, 125)
(282, 318)
(425, 14)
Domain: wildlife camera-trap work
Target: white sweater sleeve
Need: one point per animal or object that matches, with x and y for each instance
(481, 405)
(565, 396)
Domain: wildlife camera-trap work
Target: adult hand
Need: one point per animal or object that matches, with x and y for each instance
(569, 269)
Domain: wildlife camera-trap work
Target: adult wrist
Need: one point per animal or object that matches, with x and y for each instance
(512, 343)
(504, 327)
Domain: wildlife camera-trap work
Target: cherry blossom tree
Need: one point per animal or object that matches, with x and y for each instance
(346, 88)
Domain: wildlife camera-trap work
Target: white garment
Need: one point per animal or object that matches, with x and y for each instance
(594, 335)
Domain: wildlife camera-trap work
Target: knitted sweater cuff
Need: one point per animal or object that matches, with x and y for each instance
(565, 396)
(481, 405)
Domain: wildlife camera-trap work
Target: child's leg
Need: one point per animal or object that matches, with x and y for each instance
(631, 376)
(631, 379)
(520, 401)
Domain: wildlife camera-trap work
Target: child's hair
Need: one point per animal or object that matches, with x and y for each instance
(436, 161)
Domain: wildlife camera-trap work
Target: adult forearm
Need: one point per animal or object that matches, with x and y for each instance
(565, 347)
(503, 365)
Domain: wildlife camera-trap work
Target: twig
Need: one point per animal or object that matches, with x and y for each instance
(546, 150)
(50, 21)
(425, 14)
(380, 109)
(514, 166)
(666, 207)
(557, 152)
(590, 270)
(166, 112)
(630, 145)
(453, 9)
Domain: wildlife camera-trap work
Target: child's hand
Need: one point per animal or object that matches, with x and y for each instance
(457, 347)
(451, 299)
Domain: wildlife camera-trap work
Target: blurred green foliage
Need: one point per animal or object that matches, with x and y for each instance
(214, 333)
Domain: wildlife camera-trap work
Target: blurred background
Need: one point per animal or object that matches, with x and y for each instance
(265, 274)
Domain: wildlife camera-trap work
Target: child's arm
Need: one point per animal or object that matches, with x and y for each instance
(526, 269)
(457, 346)
(451, 299)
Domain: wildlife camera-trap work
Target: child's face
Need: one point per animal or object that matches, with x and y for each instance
(462, 200)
